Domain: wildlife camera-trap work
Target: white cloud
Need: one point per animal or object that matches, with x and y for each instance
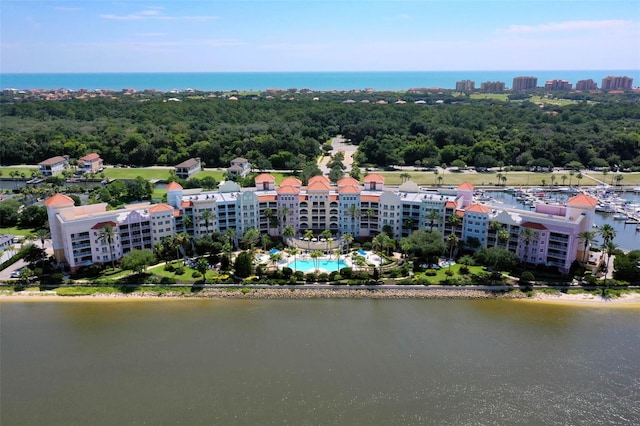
(613, 24)
(154, 13)
(67, 9)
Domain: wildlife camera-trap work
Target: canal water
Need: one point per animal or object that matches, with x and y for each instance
(317, 362)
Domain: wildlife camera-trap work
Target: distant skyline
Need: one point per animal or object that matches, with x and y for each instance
(356, 35)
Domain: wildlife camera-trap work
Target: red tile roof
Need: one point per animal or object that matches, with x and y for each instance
(349, 190)
(319, 178)
(53, 160)
(348, 181)
(58, 200)
(162, 207)
(265, 177)
(262, 198)
(318, 186)
(174, 186)
(478, 208)
(374, 177)
(466, 186)
(188, 163)
(291, 181)
(582, 200)
(370, 198)
(89, 157)
(287, 190)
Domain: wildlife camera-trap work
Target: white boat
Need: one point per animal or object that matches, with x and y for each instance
(620, 216)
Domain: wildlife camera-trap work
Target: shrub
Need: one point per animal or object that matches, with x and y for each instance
(287, 272)
(299, 275)
(292, 280)
(311, 277)
(169, 267)
(527, 277)
(395, 273)
(363, 275)
(196, 274)
(464, 270)
(449, 273)
(167, 280)
(430, 272)
(323, 277)
(336, 277)
(179, 270)
(346, 272)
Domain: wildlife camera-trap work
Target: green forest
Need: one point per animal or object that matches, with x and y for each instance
(280, 133)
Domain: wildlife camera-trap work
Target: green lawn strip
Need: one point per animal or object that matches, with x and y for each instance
(211, 276)
(6, 171)
(14, 230)
(132, 173)
(85, 291)
(441, 274)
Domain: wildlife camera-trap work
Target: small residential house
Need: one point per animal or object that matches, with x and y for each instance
(240, 167)
(189, 168)
(90, 163)
(54, 165)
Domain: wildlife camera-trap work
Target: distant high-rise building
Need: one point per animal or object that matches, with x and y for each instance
(465, 86)
(557, 85)
(616, 83)
(586, 85)
(524, 83)
(492, 87)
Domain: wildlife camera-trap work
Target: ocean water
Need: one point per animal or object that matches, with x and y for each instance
(317, 81)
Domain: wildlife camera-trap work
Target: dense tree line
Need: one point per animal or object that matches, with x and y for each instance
(284, 134)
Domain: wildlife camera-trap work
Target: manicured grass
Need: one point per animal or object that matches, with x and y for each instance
(513, 178)
(6, 171)
(211, 276)
(14, 230)
(498, 96)
(85, 291)
(132, 173)
(441, 274)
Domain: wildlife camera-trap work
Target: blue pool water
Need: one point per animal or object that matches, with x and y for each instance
(324, 265)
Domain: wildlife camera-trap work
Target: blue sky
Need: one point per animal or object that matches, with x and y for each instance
(307, 35)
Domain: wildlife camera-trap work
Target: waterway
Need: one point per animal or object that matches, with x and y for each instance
(317, 362)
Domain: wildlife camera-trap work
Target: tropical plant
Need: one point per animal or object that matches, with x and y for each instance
(527, 235)
(587, 238)
(107, 235)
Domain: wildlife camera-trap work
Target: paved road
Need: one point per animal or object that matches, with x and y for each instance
(339, 144)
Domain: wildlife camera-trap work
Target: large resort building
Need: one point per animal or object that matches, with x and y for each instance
(362, 210)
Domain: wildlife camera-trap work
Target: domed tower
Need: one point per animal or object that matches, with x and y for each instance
(55, 204)
(465, 190)
(174, 194)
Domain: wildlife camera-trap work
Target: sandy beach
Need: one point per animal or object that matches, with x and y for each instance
(629, 300)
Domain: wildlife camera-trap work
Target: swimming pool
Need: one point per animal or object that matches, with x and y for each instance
(324, 265)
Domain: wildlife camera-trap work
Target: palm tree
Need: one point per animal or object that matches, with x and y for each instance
(527, 235)
(579, 177)
(187, 221)
(353, 212)
(432, 216)
(454, 220)
(288, 232)
(326, 234)
(618, 179)
(452, 243)
(293, 252)
(494, 227)
(284, 213)
(182, 239)
(571, 173)
(405, 177)
(107, 234)
(440, 179)
(610, 248)
(378, 241)
(268, 213)
(42, 234)
(251, 238)
(553, 180)
(563, 178)
(587, 238)
(308, 235)
(607, 233)
(315, 255)
(435, 177)
(207, 216)
(348, 239)
(503, 236)
(499, 176)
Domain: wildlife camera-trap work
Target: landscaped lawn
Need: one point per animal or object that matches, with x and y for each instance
(14, 230)
(211, 276)
(441, 274)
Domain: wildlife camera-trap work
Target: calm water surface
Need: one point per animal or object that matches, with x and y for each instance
(317, 362)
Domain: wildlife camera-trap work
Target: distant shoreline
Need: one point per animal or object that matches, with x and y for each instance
(629, 300)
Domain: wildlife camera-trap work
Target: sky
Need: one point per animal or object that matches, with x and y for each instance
(313, 35)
